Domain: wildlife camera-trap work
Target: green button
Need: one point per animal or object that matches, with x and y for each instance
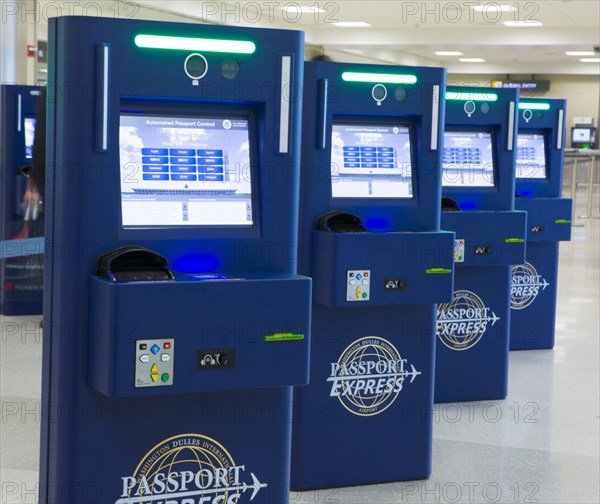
(364, 295)
(165, 377)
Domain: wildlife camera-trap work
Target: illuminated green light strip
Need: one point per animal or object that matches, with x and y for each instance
(379, 78)
(284, 337)
(562, 221)
(534, 106)
(194, 44)
(438, 271)
(469, 96)
(514, 240)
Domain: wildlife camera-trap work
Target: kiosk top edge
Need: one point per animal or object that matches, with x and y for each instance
(163, 24)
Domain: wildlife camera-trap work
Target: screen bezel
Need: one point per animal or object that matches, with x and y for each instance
(386, 121)
(473, 189)
(198, 112)
(545, 135)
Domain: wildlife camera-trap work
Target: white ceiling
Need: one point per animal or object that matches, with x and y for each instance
(409, 32)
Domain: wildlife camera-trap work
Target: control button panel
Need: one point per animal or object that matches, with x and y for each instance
(358, 285)
(154, 360)
(459, 250)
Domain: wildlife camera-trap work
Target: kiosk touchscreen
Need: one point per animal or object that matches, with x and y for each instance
(370, 239)
(478, 182)
(205, 180)
(539, 188)
(188, 318)
(467, 160)
(29, 124)
(531, 156)
(583, 137)
(21, 278)
(371, 161)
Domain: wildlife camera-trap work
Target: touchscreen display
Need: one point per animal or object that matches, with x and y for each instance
(531, 156)
(371, 161)
(467, 159)
(185, 171)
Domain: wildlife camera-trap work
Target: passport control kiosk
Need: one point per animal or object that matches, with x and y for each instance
(540, 151)
(370, 239)
(175, 323)
(478, 185)
(20, 283)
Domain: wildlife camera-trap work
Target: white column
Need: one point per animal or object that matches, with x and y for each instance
(9, 22)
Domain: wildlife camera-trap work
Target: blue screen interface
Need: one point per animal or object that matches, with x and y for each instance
(371, 161)
(184, 171)
(531, 156)
(29, 136)
(467, 159)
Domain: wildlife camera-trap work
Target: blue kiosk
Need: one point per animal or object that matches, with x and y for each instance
(478, 185)
(175, 324)
(370, 239)
(21, 281)
(540, 152)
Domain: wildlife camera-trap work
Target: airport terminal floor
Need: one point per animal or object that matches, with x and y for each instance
(540, 445)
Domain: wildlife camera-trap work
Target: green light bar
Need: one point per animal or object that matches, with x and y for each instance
(562, 221)
(469, 96)
(438, 271)
(284, 337)
(194, 44)
(534, 106)
(378, 78)
(514, 240)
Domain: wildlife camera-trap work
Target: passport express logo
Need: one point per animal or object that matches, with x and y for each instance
(462, 323)
(188, 469)
(369, 376)
(526, 285)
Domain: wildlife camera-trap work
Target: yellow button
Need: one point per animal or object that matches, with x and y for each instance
(154, 369)
(154, 377)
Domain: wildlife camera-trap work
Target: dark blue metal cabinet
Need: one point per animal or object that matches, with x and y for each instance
(20, 278)
(188, 380)
(370, 148)
(534, 284)
(479, 176)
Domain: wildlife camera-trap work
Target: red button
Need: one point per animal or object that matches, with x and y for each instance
(167, 345)
(366, 274)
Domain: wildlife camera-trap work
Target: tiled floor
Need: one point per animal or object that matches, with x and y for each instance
(541, 445)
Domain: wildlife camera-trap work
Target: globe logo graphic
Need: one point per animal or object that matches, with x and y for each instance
(371, 376)
(462, 323)
(525, 286)
(197, 454)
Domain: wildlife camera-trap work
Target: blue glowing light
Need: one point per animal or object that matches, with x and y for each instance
(376, 223)
(468, 205)
(196, 263)
(525, 194)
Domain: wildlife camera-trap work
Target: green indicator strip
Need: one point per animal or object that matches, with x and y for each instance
(514, 240)
(562, 221)
(284, 337)
(148, 41)
(438, 271)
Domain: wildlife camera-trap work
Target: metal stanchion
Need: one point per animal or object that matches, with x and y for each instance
(575, 164)
(574, 180)
(590, 195)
